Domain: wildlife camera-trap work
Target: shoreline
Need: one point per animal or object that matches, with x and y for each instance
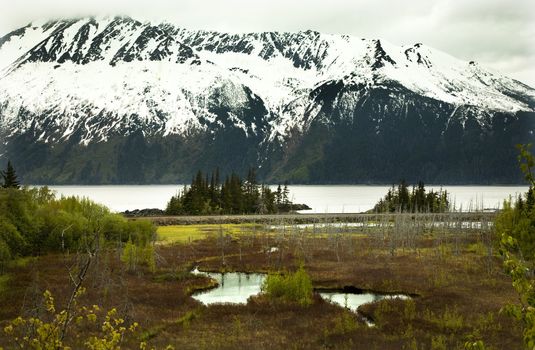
(314, 218)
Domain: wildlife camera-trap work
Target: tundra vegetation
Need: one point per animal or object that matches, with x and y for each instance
(111, 285)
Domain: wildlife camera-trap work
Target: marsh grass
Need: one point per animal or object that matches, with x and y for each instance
(445, 269)
(4, 280)
(189, 233)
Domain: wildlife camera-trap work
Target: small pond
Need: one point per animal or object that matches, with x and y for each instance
(232, 287)
(352, 300)
(237, 287)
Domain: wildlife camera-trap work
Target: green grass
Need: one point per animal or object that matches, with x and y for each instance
(183, 321)
(188, 233)
(3, 283)
(22, 262)
(477, 248)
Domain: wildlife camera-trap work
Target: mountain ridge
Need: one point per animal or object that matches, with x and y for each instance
(92, 83)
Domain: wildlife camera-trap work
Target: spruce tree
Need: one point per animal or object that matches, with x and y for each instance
(10, 177)
(278, 195)
(399, 199)
(207, 196)
(285, 194)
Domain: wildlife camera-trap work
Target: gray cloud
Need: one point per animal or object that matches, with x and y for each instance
(499, 34)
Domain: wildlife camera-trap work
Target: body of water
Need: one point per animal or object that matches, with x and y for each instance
(352, 301)
(232, 287)
(321, 198)
(237, 287)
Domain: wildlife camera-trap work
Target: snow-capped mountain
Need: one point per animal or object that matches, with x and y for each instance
(119, 100)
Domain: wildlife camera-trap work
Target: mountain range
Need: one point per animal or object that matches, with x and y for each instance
(112, 100)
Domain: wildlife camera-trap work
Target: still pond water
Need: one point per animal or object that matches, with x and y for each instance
(232, 287)
(237, 287)
(321, 198)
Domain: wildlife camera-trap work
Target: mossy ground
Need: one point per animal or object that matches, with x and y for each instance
(189, 233)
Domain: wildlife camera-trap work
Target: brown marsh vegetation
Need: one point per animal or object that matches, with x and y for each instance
(453, 272)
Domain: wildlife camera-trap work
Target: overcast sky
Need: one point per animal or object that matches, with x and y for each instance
(499, 34)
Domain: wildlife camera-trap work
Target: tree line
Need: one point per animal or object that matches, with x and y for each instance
(416, 200)
(208, 195)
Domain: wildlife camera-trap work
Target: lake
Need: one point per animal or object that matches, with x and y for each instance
(321, 198)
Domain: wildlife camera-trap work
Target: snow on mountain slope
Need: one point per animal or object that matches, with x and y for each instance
(102, 76)
(15, 44)
(330, 57)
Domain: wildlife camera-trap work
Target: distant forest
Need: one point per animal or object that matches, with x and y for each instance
(208, 195)
(400, 199)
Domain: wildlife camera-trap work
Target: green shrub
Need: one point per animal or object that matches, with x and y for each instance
(438, 343)
(345, 323)
(516, 226)
(410, 309)
(34, 221)
(290, 287)
(138, 255)
(4, 279)
(449, 321)
(5, 256)
(48, 331)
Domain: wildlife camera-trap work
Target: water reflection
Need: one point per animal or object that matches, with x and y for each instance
(352, 301)
(237, 287)
(233, 287)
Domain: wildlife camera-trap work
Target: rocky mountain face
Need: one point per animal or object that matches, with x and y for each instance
(115, 100)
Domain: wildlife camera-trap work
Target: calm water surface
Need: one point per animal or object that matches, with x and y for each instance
(352, 301)
(233, 287)
(321, 198)
(237, 287)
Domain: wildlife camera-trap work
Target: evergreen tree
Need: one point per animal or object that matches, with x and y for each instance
(278, 195)
(10, 177)
(419, 198)
(404, 199)
(399, 199)
(174, 206)
(235, 196)
(252, 194)
(285, 194)
(530, 198)
(226, 197)
(213, 196)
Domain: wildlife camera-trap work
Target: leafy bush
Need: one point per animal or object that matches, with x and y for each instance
(517, 220)
(291, 287)
(438, 343)
(34, 221)
(516, 225)
(138, 255)
(345, 323)
(48, 331)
